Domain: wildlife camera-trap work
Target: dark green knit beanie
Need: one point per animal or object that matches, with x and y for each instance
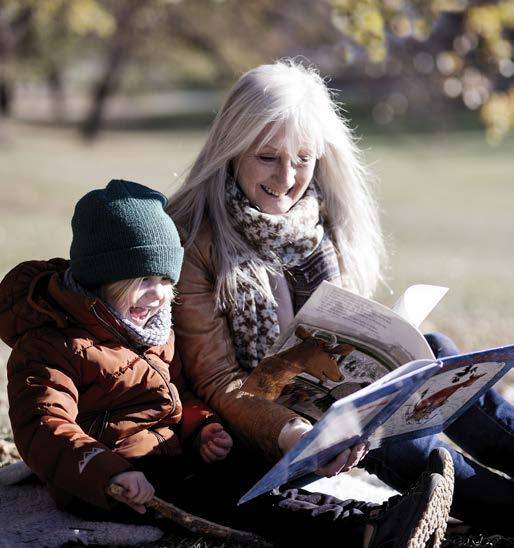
(122, 231)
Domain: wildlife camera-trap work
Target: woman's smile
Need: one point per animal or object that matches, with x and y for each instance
(275, 193)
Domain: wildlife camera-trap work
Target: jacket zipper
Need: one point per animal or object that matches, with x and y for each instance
(92, 428)
(103, 425)
(163, 446)
(141, 355)
(99, 420)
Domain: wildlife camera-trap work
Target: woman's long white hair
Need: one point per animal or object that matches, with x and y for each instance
(264, 100)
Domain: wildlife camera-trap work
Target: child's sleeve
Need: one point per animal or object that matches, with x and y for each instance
(195, 413)
(43, 377)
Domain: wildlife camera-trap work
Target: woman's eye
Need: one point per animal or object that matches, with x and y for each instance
(304, 159)
(266, 158)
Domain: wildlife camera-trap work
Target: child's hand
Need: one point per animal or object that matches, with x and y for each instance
(215, 442)
(137, 490)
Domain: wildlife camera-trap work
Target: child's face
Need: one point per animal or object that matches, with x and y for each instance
(145, 300)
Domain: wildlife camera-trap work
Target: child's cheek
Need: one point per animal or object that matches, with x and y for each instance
(122, 309)
(169, 295)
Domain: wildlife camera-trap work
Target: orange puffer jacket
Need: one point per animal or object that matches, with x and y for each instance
(82, 398)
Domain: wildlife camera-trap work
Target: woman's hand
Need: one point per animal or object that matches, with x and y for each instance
(137, 490)
(345, 461)
(294, 431)
(215, 442)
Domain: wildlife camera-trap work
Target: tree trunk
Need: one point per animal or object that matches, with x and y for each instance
(118, 53)
(56, 87)
(102, 91)
(5, 98)
(12, 33)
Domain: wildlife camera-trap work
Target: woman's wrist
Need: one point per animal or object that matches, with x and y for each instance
(291, 433)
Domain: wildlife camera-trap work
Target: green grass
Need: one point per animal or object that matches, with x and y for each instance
(446, 204)
(447, 211)
(43, 172)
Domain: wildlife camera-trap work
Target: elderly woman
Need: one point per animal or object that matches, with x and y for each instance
(276, 202)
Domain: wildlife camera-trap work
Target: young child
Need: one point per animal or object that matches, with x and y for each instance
(96, 393)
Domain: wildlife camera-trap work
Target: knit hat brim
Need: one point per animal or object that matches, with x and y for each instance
(134, 262)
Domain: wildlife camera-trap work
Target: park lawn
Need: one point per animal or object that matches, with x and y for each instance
(446, 204)
(447, 211)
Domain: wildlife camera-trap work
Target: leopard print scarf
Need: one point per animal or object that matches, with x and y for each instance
(295, 242)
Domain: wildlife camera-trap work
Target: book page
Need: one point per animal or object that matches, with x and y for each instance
(383, 340)
(439, 398)
(418, 301)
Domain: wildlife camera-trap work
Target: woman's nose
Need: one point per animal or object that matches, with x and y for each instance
(287, 173)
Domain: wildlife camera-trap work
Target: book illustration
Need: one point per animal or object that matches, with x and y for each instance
(363, 368)
(311, 355)
(445, 396)
(311, 399)
(441, 397)
(306, 376)
(310, 393)
(381, 359)
(429, 403)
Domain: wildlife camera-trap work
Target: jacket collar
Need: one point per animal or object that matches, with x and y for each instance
(89, 312)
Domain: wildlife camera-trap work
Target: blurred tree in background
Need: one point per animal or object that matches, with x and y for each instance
(392, 55)
(464, 47)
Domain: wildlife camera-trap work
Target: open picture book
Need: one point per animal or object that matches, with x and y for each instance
(391, 389)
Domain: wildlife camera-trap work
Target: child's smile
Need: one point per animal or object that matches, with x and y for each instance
(144, 298)
(139, 315)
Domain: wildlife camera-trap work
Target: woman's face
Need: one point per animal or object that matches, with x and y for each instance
(272, 178)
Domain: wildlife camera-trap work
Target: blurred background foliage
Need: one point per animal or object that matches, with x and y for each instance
(464, 48)
(398, 62)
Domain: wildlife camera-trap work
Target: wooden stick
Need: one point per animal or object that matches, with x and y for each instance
(194, 523)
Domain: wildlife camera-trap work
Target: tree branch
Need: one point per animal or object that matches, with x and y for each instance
(196, 524)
